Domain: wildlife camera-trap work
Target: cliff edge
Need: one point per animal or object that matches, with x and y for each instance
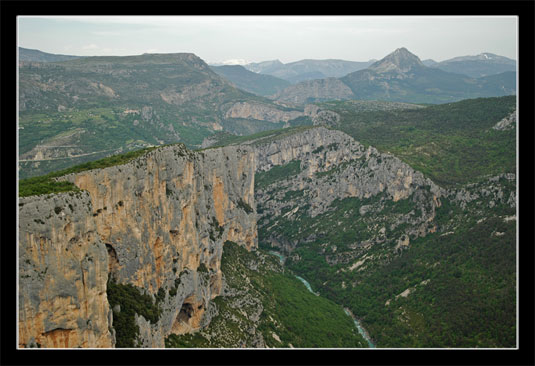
(158, 223)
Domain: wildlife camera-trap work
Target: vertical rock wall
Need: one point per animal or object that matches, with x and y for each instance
(63, 270)
(160, 222)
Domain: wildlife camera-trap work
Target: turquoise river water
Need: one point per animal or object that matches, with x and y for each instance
(359, 327)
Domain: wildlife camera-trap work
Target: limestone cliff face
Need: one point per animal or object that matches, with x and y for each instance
(63, 270)
(161, 221)
(321, 117)
(261, 112)
(333, 166)
(321, 150)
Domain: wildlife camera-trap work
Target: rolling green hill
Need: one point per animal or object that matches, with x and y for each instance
(451, 143)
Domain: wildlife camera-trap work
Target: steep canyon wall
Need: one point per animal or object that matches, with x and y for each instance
(157, 222)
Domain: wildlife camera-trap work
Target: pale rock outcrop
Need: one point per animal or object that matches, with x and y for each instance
(322, 151)
(333, 166)
(261, 112)
(157, 222)
(321, 117)
(492, 190)
(507, 123)
(190, 92)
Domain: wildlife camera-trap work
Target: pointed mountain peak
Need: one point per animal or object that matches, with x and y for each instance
(400, 60)
(401, 50)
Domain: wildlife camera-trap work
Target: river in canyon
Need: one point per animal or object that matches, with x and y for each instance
(359, 327)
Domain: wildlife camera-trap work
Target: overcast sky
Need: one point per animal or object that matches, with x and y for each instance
(261, 38)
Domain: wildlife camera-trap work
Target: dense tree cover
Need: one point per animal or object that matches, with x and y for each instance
(450, 143)
(131, 301)
(44, 185)
(461, 282)
(277, 173)
(458, 282)
(290, 311)
(468, 302)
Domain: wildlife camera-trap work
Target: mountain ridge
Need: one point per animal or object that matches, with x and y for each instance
(402, 77)
(259, 84)
(91, 106)
(484, 64)
(401, 60)
(482, 56)
(307, 69)
(28, 54)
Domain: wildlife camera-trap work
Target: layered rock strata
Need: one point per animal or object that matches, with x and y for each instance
(261, 112)
(157, 222)
(333, 166)
(321, 150)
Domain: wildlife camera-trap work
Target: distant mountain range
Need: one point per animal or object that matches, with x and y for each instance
(429, 62)
(401, 76)
(484, 64)
(302, 70)
(75, 109)
(27, 54)
(252, 82)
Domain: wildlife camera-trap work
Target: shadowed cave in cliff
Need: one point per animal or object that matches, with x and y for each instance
(186, 312)
(189, 316)
(113, 261)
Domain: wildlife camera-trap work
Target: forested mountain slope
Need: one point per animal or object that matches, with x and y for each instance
(422, 262)
(86, 108)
